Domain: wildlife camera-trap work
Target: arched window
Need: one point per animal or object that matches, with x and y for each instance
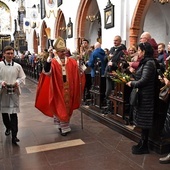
(5, 19)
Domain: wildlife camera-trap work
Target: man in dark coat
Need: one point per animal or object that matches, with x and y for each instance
(116, 54)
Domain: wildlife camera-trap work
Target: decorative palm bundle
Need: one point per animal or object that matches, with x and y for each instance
(120, 77)
(43, 56)
(164, 93)
(126, 56)
(167, 72)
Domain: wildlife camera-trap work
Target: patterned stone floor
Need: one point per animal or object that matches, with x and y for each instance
(95, 147)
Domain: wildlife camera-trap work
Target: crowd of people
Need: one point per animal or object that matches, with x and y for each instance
(141, 62)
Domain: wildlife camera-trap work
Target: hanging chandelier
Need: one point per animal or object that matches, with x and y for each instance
(162, 1)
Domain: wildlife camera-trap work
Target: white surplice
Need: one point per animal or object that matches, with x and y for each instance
(9, 103)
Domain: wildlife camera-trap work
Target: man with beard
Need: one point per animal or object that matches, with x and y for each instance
(162, 56)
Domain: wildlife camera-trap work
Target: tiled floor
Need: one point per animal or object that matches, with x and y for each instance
(104, 149)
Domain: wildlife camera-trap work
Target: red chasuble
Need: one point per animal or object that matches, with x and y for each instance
(52, 94)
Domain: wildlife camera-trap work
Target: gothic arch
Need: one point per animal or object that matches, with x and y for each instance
(5, 18)
(82, 12)
(44, 38)
(60, 25)
(35, 42)
(137, 21)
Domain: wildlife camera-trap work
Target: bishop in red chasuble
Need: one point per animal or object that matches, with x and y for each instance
(59, 88)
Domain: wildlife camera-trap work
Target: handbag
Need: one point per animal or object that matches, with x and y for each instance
(164, 93)
(134, 97)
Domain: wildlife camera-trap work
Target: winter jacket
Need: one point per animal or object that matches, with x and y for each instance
(117, 53)
(145, 79)
(154, 46)
(162, 59)
(96, 57)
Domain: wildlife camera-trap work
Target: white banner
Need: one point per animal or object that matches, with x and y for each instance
(51, 8)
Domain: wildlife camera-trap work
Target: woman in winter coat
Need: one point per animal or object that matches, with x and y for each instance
(145, 78)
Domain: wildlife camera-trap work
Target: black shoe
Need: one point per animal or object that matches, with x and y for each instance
(7, 132)
(135, 147)
(63, 134)
(15, 140)
(140, 149)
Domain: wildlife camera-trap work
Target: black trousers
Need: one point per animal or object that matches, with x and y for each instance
(145, 134)
(87, 87)
(11, 122)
